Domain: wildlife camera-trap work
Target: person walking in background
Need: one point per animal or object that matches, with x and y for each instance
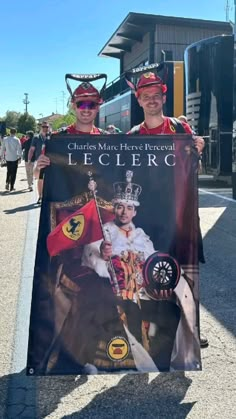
(23, 139)
(28, 164)
(12, 150)
(35, 150)
(112, 129)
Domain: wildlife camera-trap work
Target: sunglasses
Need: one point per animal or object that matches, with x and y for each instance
(86, 105)
(45, 126)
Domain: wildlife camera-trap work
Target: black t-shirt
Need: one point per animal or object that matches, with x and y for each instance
(26, 146)
(38, 142)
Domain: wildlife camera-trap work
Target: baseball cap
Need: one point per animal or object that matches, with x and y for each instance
(88, 91)
(150, 80)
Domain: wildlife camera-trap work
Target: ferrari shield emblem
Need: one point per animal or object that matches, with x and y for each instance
(74, 227)
(147, 75)
(85, 85)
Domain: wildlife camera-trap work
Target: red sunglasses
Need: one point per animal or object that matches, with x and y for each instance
(86, 105)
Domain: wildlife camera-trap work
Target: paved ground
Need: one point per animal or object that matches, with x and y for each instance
(207, 394)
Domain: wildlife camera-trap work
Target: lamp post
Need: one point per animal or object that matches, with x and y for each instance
(63, 99)
(56, 104)
(26, 102)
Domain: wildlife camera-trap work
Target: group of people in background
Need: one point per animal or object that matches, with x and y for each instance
(28, 148)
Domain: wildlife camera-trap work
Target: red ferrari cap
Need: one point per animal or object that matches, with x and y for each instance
(149, 80)
(88, 91)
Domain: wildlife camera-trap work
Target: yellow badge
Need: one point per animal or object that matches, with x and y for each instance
(118, 348)
(74, 228)
(172, 128)
(147, 75)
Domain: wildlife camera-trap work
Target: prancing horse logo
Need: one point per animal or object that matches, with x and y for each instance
(74, 227)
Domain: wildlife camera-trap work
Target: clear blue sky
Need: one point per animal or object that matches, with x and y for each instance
(42, 40)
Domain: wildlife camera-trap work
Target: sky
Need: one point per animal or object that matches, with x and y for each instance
(42, 40)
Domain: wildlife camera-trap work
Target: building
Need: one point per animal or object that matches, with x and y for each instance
(50, 118)
(143, 39)
(210, 107)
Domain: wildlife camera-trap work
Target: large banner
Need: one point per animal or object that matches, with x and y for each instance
(116, 273)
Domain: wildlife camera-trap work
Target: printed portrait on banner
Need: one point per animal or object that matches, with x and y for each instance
(116, 270)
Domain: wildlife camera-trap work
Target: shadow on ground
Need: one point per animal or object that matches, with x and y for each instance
(217, 284)
(16, 192)
(134, 397)
(20, 209)
(23, 399)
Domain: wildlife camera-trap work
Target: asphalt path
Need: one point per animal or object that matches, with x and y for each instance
(207, 394)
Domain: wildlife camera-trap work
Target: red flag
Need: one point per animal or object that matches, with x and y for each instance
(81, 227)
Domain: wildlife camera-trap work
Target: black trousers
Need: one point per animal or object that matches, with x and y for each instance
(11, 172)
(166, 316)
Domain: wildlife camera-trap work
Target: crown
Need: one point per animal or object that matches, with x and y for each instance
(127, 192)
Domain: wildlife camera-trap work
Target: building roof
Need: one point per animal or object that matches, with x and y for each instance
(136, 25)
(50, 118)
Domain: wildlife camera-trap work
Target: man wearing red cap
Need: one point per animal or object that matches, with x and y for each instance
(85, 101)
(151, 95)
(150, 92)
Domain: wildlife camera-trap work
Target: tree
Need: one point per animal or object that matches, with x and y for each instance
(11, 119)
(26, 122)
(63, 121)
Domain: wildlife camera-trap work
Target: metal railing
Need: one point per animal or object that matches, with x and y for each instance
(115, 88)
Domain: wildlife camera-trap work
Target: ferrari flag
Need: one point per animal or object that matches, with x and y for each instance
(80, 228)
